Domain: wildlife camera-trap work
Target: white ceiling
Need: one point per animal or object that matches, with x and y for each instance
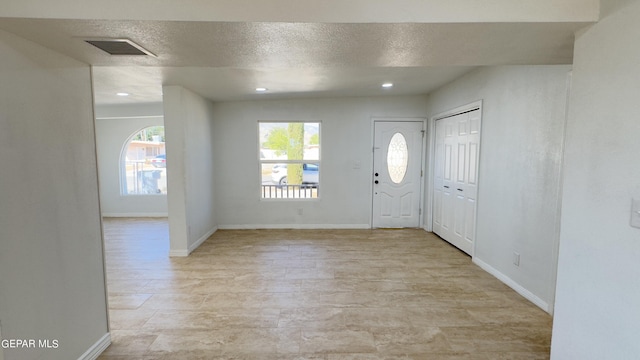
(226, 61)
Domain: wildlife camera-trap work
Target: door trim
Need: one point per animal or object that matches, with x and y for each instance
(425, 127)
(476, 105)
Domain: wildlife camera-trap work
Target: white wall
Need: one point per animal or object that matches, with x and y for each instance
(346, 138)
(52, 282)
(190, 169)
(598, 294)
(520, 161)
(114, 127)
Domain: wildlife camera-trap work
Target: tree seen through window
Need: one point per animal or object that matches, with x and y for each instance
(289, 160)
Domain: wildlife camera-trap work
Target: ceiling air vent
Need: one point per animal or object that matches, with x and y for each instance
(119, 47)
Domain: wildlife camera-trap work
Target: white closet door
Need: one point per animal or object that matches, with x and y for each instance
(444, 176)
(456, 178)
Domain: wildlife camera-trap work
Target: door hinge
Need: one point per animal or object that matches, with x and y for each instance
(423, 132)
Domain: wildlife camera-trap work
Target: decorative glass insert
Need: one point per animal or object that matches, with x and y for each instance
(397, 158)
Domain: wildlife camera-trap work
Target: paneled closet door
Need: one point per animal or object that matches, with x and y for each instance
(444, 175)
(456, 178)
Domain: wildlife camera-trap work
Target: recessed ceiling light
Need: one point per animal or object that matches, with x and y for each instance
(122, 94)
(387, 85)
(261, 89)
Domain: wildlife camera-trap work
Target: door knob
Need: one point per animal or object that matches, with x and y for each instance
(375, 182)
(376, 174)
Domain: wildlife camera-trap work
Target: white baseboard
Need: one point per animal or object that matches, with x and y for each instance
(183, 253)
(293, 226)
(178, 253)
(514, 285)
(201, 240)
(135, 215)
(98, 348)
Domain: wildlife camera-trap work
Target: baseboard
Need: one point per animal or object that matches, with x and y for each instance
(183, 253)
(514, 285)
(201, 240)
(293, 226)
(178, 253)
(135, 215)
(98, 348)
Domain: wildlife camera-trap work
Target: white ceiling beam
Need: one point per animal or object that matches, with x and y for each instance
(312, 11)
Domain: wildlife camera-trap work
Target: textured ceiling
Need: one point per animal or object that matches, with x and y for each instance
(308, 45)
(231, 84)
(226, 61)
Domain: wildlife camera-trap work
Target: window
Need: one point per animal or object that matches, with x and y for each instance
(397, 158)
(289, 159)
(143, 163)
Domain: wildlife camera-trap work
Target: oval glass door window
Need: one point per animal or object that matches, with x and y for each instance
(397, 158)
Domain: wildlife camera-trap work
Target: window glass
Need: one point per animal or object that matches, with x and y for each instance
(397, 158)
(144, 163)
(289, 159)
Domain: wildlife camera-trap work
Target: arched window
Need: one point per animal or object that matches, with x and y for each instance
(143, 163)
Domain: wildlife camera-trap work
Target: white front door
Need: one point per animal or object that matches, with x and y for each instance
(397, 174)
(457, 146)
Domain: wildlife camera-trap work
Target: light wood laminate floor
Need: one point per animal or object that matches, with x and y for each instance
(310, 294)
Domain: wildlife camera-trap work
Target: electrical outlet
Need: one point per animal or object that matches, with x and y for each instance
(516, 259)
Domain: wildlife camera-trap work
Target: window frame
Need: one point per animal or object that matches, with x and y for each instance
(263, 161)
